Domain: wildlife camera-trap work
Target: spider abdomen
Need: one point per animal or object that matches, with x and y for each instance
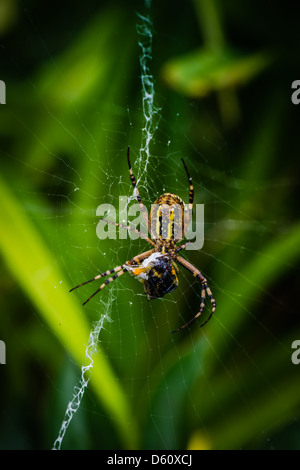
(167, 218)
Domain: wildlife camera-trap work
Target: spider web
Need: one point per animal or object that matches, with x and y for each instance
(150, 114)
(164, 376)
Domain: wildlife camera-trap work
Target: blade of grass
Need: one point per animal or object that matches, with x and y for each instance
(267, 412)
(209, 17)
(169, 399)
(34, 267)
(263, 410)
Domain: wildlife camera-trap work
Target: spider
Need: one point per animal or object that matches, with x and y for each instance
(157, 268)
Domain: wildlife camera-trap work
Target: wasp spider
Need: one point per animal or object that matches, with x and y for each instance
(157, 268)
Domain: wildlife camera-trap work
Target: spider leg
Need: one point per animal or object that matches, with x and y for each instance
(205, 290)
(105, 273)
(128, 227)
(191, 189)
(191, 197)
(107, 281)
(138, 259)
(181, 247)
(117, 271)
(137, 194)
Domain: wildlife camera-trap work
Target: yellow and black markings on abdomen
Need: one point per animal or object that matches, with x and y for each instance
(167, 217)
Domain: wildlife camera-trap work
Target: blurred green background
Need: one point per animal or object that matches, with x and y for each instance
(223, 73)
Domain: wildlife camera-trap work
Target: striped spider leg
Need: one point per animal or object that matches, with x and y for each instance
(205, 290)
(117, 272)
(137, 195)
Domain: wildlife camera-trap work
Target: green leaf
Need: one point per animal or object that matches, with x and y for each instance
(34, 267)
(205, 70)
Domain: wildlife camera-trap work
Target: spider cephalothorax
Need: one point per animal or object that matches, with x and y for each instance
(157, 268)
